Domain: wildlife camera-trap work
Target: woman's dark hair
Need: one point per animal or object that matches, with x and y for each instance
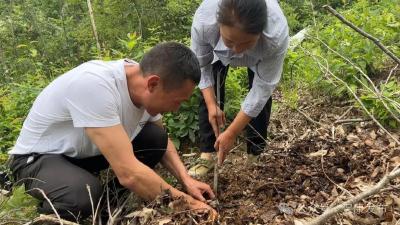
(248, 15)
(173, 62)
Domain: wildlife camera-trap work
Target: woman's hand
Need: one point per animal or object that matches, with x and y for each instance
(224, 144)
(216, 117)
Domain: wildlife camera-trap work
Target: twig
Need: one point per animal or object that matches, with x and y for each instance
(44, 219)
(351, 202)
(351, 120)
(94, 26)
(51, 204)
(363, 33)
(92, 204)
(194, 221)
(113, 217)
(345, 113)
(94, 212)
(310, 119)
(390, 74)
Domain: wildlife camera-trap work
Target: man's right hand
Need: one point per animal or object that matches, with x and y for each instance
(199, 206)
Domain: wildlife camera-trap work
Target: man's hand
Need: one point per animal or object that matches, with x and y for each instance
(197, 205)
(196, 189)
(224, 144)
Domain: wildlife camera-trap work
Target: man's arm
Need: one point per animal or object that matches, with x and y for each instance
(173, 163)
(116, 147)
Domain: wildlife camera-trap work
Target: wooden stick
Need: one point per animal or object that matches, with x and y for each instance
(51, 204)
(329, 213)
(310, 119)
(351, 120)
(215, 186)
(93, 25)
(46, 219)
(363, 33)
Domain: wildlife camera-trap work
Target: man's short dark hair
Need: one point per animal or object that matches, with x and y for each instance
(173, 62)
(248, 15)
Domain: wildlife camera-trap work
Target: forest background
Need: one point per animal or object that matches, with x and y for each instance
(40, 40)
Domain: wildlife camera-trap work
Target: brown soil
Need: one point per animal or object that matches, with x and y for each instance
(310, 165)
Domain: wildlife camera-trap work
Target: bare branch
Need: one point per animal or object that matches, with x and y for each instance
(351, 202)
(363, 33)
(51, 204)
(94, 26)
(325, 67)
(310, 119)
(46, 219)
(351, 120)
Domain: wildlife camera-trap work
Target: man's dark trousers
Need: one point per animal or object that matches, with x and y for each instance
(64, 180)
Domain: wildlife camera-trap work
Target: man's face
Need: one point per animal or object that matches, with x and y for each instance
(162, 101)
(237, 40)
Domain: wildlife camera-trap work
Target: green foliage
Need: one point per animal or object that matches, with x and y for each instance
(390, 93)
(41, 40)
(301, 13)
(380, 19)
(19, 205)
(183, 124)
(236, 90)
(15, 102)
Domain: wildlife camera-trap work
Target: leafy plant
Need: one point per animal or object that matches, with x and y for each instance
(15, 102)
(236, 88)
(183, 124)
(18, 205)
(302, 69)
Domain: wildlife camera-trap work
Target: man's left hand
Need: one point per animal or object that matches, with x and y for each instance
(196, 189)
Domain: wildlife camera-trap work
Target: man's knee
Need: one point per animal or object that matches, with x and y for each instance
(76, 201)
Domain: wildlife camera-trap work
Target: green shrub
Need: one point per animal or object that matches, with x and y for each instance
(380, 19)
(184, 124)
(15, 102)
(19, 206)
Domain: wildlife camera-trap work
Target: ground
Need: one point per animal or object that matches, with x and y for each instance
(317, 157)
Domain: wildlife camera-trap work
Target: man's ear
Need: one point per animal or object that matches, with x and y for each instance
(152, 82)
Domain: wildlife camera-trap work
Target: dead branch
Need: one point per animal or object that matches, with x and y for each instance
(363, 33)
(356, 120)
(345, 113)
(390, 74)
(351, 202)
(50, 203)
(94, 211)
(310, 119)
(47, 219)
(93, 25)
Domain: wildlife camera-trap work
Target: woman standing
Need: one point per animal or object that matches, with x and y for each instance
(248, 33)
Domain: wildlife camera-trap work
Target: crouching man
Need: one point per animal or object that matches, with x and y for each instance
(103, 114)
